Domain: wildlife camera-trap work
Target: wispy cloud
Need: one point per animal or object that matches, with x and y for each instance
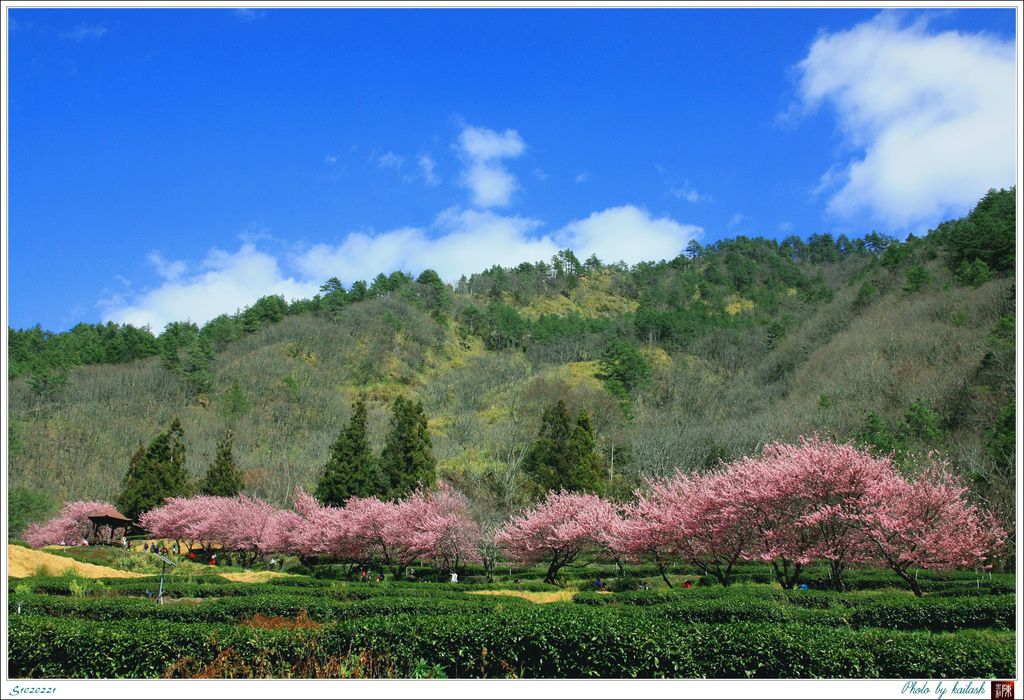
(428, 169)
(330, 159)
(581, 178)
(248, 14)
(483, 151)
(688, 193)
(168, 269)
(390, 161)
(85, 31)
(740, 219)
(928, 117)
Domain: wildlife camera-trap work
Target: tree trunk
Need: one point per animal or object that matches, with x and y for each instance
(911, 581)
(835, 568)
(782, 574)
(552, 570)
(663, 570)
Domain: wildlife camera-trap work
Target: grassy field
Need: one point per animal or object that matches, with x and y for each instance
(325, 625)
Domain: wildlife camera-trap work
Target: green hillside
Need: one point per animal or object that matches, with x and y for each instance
(679, 363)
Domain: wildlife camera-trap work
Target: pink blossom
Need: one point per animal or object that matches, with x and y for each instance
(558, 530)
(70, 526)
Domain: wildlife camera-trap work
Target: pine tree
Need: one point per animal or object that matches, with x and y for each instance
(585, 473)
(234, 403)
(407, 459)
(563, 456)
(197, 367)
(224, 478)
(351, 469)
(155, 473)
(550, 455)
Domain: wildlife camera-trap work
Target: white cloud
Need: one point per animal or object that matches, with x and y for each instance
(248, 14)
(168, 269)
(330, 159)
(227, 282)
(428, 167)
(738, 218)
(482, 144)
(931, 116)
(581, 178)
(457, 242)
(466, 241)
(627, 234)
(483, 150)
(688, 193)
(85, 31)
(390, 160)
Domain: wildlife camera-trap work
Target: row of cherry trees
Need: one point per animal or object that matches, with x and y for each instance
(790, 506)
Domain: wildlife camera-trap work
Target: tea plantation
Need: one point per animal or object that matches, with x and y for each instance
(305, 626)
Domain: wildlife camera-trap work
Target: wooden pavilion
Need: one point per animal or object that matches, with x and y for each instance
(111, 518)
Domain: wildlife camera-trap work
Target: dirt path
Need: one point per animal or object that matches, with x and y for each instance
(22, 561)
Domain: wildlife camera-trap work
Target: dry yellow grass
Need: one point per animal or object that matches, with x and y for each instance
(22, 561)
(251, 576)
(543, 597)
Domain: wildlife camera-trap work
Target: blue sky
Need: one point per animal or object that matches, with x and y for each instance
(169, 164)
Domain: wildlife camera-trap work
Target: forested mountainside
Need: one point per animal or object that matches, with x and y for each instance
(903, 346)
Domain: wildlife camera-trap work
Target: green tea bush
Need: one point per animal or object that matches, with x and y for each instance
(554, 641)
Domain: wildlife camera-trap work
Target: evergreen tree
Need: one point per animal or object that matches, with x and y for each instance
(235, 403)
(407, 459)
(197, 367)
(156, 473)
(585, 472)
(623, 369)
(563, 455)
(351, 469)
(224, 478)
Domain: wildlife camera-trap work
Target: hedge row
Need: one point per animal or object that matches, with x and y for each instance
(203, 588)
(516, 641)
(937, 614)
(238, 608)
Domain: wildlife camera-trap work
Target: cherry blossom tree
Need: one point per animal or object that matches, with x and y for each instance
(446, 532)
(70, 526)
(642, 533)
(323, 531)
(708, 516)
(558, 530)
(240, 524)
(831, 486)
(928, 523)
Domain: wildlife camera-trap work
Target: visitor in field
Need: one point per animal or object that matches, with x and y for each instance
(455, 577)
(687, 585)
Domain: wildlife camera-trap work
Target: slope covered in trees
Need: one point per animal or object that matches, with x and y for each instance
(901, 346)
